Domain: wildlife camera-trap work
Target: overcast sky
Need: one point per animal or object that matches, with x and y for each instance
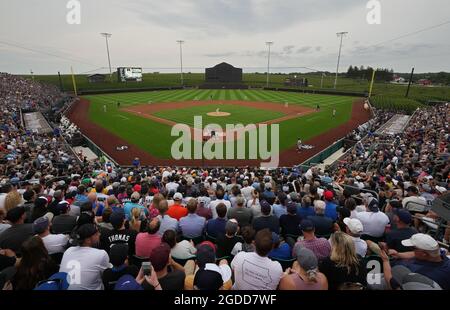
(144, 34)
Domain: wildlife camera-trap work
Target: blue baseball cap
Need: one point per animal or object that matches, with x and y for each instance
(57, 282)
(307, 225)
(127, 283)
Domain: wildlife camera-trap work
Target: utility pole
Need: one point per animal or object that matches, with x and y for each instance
(181, 42)
(108, 35)
(269, 44)
(410, 82)
(341, 35)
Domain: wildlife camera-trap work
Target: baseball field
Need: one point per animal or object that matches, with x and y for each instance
(143, 120)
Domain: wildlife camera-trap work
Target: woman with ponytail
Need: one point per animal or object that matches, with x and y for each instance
(304, 274)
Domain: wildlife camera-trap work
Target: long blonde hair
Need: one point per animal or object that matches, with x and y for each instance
(135, 216)
(343, 251)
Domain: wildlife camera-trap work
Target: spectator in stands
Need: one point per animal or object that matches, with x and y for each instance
(119, 234)
(403, 231)
(290, 222)
(54, 243)
(35, 265)
(134, 203)
(354, 228)
(248, 243)
(216, 227)
(254, 204)
(203, 209)
(279, 207)
(192, 225)
(306, 208)
(138, 222)
(330, 206)
(266, 220)
(242, 214)
(177, 210)
(4, 225)
(254, 270)
(319, 246)
(373, 220)
(170, 274)
(12, 200)
(225, 243)
(118, 255)
(39, 208)
(166, 221)
(304, 274)
(413, 202)
(58, 196)
(64, 222)
(147, 241)
(323, 225)
(281, 249)
(13, 237)
(219, 199)
(426, 259)
(179, 250)
(343, 265)
(91, 262)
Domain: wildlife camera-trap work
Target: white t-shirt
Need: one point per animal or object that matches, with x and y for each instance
(55, 243)
(183, 250)
(213, 204)
(85, 266)
(172, 187)
(414, 203)
(374, 223)
(253, 272)
(247, 192)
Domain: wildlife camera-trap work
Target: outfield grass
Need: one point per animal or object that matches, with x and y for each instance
(156, 138)
(238, 115)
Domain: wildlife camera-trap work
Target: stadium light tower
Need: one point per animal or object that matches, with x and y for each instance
(341, 35)
(181, 42)
(108, 35)
(269, 44)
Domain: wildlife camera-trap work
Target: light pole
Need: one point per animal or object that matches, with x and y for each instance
(341, 35)
(181, 42)
(269, 44)
(108, 35)
(321, 80)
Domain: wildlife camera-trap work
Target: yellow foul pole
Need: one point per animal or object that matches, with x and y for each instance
(371, 83)
(74, 83)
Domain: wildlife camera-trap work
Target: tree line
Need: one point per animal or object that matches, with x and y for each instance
(382, 75)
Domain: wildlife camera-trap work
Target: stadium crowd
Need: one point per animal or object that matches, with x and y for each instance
(66, 224)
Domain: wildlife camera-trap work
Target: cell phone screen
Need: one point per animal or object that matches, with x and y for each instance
(147, 268)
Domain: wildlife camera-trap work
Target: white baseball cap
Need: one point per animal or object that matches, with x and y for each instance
(355, 225)
(421, 241)
(177, 196)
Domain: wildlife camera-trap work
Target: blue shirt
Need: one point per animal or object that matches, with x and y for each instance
(167, 223)
(130, 205)
(330, 210)
(192, 225)
(282, 252)
(216, 227)
(304, 212)
(279, 210)
(438, 272)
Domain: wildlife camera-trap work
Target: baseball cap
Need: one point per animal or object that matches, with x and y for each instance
(160, 256)
(177, 196)
(127, 283)
(412, 281)
(135, 196)
(307, 225)
(117, 217)
(63, 205)
(265, 207)
(40, 225)
(440, 189)
(354, 225)
(56, 282)
(137, 188)
(372, 204)
(306, 258)
(403, 215)
(118, 254)
(205, 255)
(328, 195)
(422, 242)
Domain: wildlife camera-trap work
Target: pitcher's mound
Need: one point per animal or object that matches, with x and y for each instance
(218, 114)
